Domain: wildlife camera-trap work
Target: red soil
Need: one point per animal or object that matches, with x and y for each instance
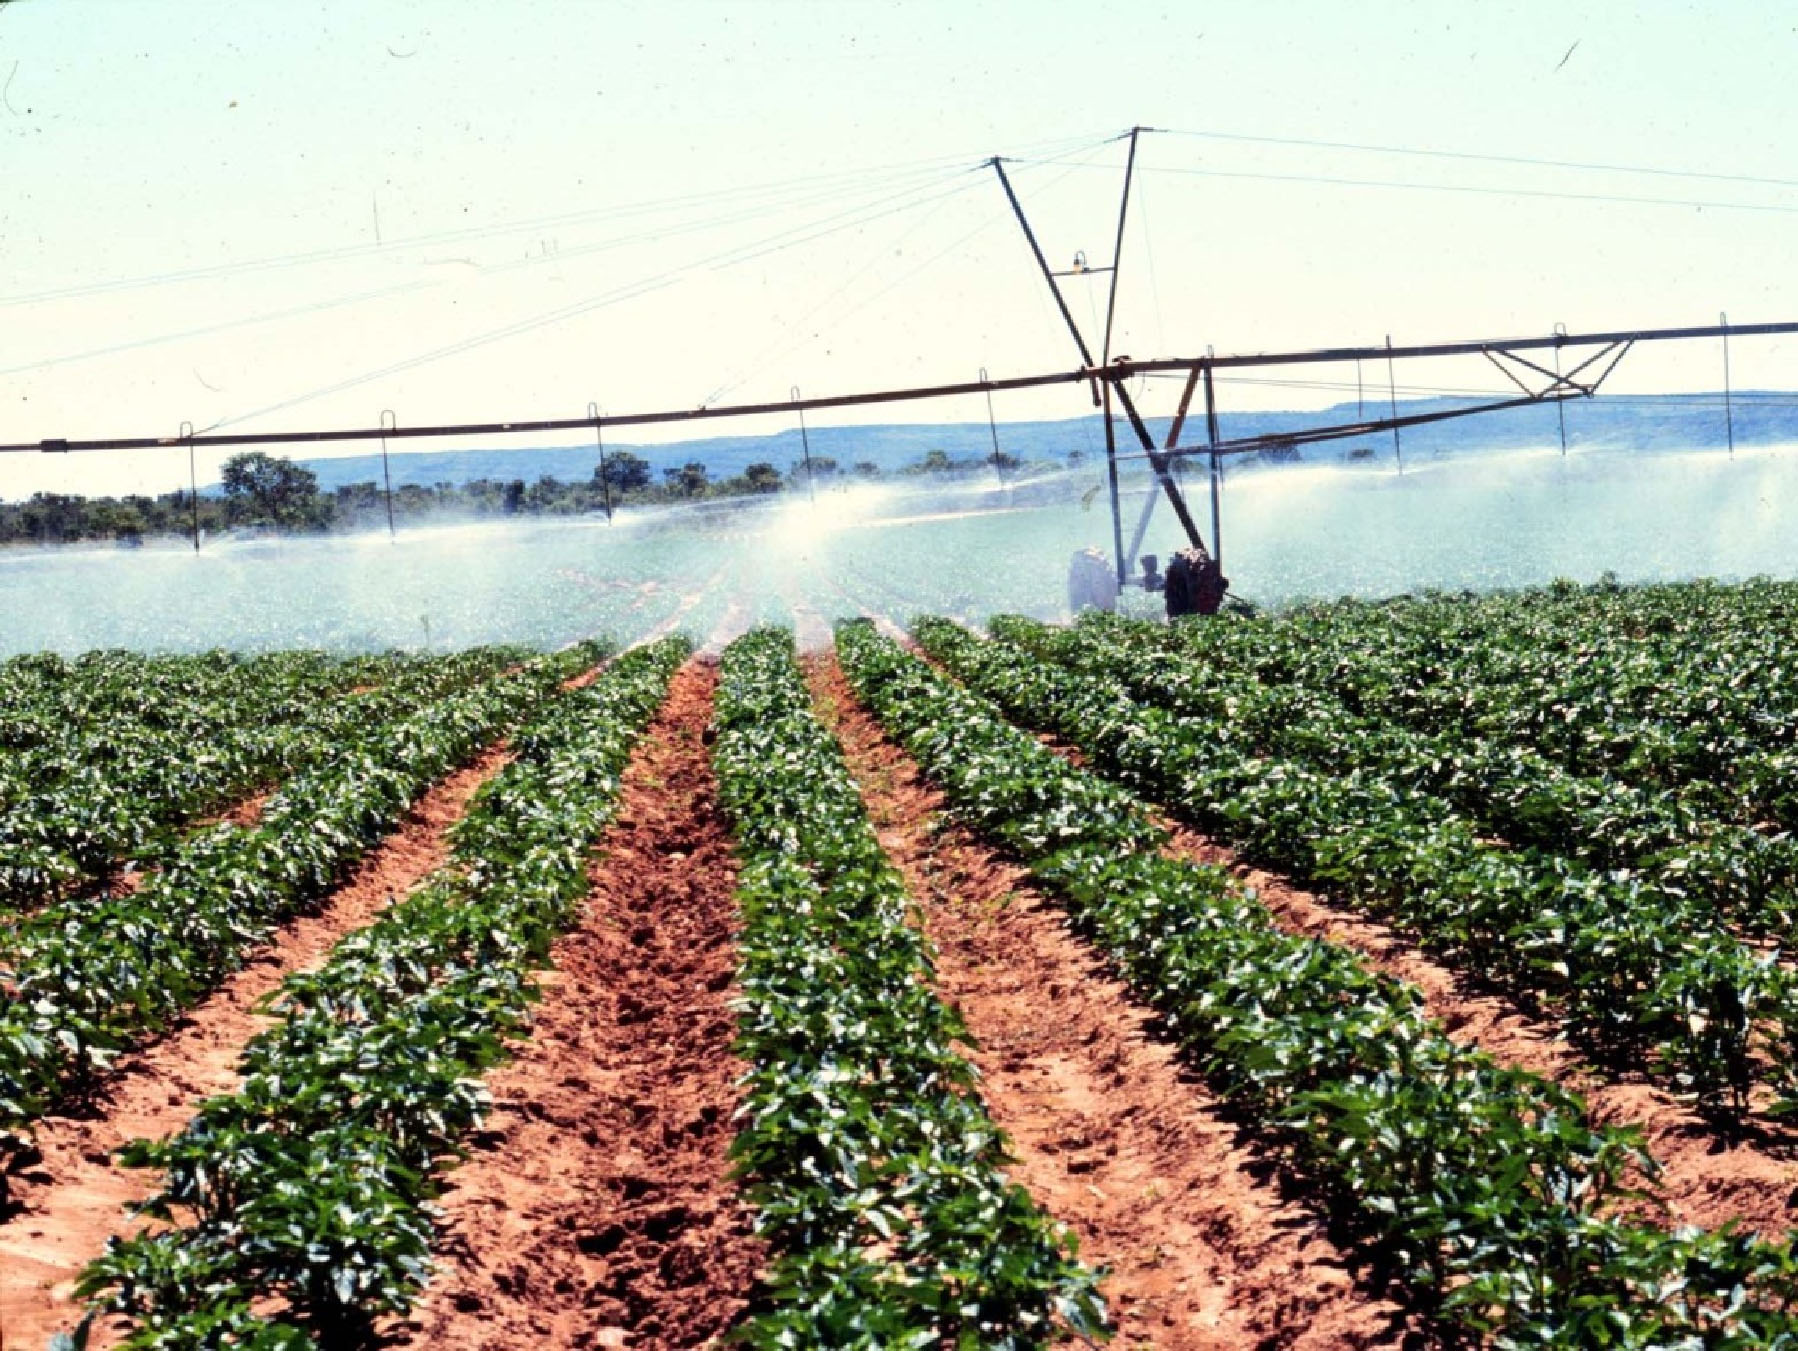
(75, 1201)
(598, 1210)
(249, 811)
(1709, 1175)
(1112, 1136)
(584, 679)
(1709, 1178)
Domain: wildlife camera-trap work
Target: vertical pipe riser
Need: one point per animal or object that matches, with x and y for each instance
(193, 481)
(805, 451)
(1560, 403)
(992, 426)
(1729, 413)
(599, 439)
(1111, 465)
(1398, 453)
(387, 420)
(1217, 509)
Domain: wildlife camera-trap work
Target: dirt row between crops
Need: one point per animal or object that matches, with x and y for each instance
(74, 1201)
(126, 879)
(1113, 1137)
(1709, 1176)
(597, 1209)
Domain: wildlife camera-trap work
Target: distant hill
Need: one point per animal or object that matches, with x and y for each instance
(1647, 422)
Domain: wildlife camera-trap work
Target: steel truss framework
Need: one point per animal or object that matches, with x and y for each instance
(1107, 383)
(1505, 354)
(1105, 376)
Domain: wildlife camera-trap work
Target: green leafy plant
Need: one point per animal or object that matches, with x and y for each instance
(867, 1155)
(84, 979)
(1486, 1187)
(295, 1211)
(1634, 967)
(110, 761)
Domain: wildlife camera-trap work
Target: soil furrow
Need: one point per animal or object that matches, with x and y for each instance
(597, 1210)
(248, 811)
(1112, 1135)
(75, 1200)
(1711, 1174)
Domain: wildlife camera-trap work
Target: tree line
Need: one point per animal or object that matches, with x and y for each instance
(262, 491)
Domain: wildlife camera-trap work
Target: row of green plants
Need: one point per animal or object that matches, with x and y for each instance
(120, 703)
(114, 791)
(1634, 968)
(1685, 688)
(296, 1212)
(83, 980)
(874, 1170)
(1485, 1190)
(119, 706)
(42, 692)
(1673, 840)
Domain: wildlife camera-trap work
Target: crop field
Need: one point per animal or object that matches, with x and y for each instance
(1402, 973)
(606, 742)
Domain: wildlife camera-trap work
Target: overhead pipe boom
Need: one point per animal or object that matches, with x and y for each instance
(1115, 371)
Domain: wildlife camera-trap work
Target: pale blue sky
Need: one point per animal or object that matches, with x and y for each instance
(680, 203)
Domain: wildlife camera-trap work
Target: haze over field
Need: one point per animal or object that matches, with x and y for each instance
(1290, 532)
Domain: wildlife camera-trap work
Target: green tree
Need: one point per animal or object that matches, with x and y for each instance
(624, 472)
(119, 520)
(53, 517)
(543, 495)
(354, 498)
(689, 480)
(762, 478)
(275, 490)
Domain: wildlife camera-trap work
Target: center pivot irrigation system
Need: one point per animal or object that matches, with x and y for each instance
(1106, 376)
